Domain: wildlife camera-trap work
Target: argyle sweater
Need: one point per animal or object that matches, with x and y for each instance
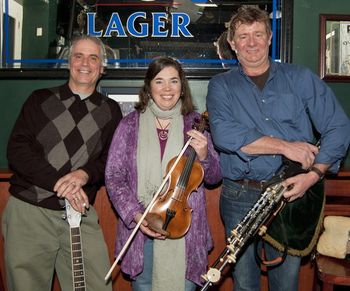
(56, 133)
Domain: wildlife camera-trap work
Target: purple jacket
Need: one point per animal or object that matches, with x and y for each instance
(121, 176)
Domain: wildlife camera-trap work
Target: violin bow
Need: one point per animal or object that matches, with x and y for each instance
(147, 209)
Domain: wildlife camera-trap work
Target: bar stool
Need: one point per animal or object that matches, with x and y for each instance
(332, 271)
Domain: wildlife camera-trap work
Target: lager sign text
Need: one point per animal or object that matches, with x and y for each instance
(179, 23)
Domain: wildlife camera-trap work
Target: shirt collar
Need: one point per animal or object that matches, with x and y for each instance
(66, 93)
(272, 67)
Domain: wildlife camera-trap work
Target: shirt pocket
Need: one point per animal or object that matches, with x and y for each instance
(285, 108)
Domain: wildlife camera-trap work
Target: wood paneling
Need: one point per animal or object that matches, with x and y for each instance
(108, 220)
(4, 186)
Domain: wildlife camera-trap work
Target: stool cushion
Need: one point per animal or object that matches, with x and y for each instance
(333, 240)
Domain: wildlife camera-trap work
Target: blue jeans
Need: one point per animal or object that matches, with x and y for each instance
(235, 202)
(143, 282)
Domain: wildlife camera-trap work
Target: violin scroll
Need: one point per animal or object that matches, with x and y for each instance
(202, 123)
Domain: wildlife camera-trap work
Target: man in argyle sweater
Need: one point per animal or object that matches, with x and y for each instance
(57, 151)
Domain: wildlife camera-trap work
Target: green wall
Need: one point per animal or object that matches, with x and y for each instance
(306, 40)
(305, 52)
(36, 13)
(13, 94)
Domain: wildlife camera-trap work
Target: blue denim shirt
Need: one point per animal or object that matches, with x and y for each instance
(292, 102)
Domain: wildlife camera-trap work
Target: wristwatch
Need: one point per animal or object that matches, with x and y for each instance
(318, 172)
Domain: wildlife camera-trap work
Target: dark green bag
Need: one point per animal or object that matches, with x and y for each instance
(297, 226)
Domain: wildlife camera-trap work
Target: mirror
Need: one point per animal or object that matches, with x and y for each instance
(335, 47)
(37, 33)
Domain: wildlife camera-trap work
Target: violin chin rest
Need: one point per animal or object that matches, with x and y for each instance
(155, 223)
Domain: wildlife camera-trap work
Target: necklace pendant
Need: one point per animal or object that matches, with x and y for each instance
(162, 131)
(163, 134)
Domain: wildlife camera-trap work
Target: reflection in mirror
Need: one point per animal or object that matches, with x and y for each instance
(37, 33)
(338, 48)
(335, 47)
(13, 27)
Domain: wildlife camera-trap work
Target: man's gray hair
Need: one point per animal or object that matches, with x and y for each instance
(96, 40)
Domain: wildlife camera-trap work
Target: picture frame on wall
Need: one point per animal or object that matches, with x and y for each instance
(334, 55)
(127, 97)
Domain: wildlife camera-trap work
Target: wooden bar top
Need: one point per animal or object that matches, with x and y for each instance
(5, 174)
(344, 172)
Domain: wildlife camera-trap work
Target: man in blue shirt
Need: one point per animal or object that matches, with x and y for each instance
(261, 111)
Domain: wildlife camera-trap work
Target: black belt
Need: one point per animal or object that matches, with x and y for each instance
(251, 183)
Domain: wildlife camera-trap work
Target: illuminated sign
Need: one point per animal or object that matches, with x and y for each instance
(179, 23)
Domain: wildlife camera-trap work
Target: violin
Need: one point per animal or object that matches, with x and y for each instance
(170, 215)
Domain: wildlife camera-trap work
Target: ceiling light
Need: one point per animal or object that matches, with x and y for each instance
(204, 3)
(278, 14)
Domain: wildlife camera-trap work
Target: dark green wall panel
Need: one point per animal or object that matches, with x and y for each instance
(306, 40)
(13, 94)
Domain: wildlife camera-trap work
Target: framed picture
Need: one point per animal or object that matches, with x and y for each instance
(127, 97)
(335, 47)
